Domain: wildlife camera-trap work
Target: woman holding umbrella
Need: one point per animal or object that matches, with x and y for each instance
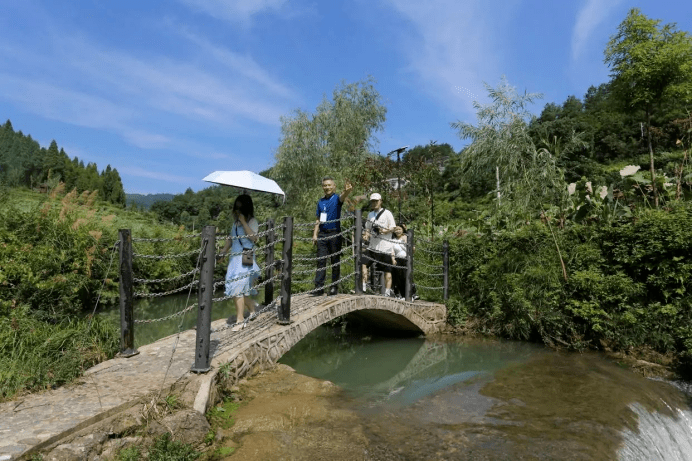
(242, 271)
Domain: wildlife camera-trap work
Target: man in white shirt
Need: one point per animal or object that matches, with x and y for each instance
(378, 228)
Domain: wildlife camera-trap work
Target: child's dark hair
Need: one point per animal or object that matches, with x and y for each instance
(246, 207)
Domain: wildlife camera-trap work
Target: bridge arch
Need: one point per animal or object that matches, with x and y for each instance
(266, 345)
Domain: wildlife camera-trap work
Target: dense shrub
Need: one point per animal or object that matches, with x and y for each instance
(35, 355)
(54, 259)
(628, 285)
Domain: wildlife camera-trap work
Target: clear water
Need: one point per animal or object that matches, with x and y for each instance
(160, 307)
(453, 399)
(475, 399)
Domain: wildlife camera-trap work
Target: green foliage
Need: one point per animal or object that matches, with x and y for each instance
(164, 448)
(35, 355)
(629, 282)
(339, 136)
(55, 257)
(23, 162)
(502, 146)
(221, 415)
(131, 453)
(649, 62)
(650, 65)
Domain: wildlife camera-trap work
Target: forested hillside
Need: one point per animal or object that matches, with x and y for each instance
(145, 201)
(23, 162)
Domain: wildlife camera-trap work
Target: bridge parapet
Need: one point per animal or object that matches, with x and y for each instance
(430, 272)
(268, 342)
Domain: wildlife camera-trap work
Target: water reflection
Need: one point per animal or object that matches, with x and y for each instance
(482, 399)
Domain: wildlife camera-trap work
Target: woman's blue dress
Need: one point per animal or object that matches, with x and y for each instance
(244, 286)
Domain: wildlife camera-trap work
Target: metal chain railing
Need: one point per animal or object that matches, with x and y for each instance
(167, 239)
(171, 279)
(344, 264)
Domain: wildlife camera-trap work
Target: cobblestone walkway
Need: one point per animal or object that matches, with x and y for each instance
(37, 420)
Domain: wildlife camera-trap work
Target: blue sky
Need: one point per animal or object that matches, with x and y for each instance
(167, 92)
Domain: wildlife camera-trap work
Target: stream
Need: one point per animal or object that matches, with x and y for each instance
(479, 399)
(452, 398)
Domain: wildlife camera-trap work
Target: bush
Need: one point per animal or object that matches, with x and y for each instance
(629, 284)
(36, 355)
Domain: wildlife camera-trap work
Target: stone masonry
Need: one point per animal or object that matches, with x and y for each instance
(61, 417)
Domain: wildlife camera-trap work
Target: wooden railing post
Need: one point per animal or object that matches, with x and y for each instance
(445, 269)
(127, 315)
(204, 300)
(409, 266)
(357, 242)
(286, 269)
(269, 262)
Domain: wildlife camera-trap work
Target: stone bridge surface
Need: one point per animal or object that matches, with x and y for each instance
(41, 421)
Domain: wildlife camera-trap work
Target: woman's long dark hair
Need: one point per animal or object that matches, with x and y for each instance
(246, 207)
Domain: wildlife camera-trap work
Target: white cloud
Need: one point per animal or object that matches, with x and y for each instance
(589, 17)
(452, 46)
(235, 11)
(242, 65)
(66, 105)
(176, 86)
(81, 83)
(163, 176)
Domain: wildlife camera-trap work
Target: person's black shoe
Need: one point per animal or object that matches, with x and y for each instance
(333, 290)
(318, 292)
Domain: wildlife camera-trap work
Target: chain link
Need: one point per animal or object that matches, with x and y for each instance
(326, 238)
(308, 225)
(317, 289)
(165, 257)
(420, 263)
(258, 286)
(167, 239)
(418, 286)
(433, 252)
(163, 294)
(179, 313)
(312, 270)
(175, 278)
(324, 257)
(258, 234)
(430, 274)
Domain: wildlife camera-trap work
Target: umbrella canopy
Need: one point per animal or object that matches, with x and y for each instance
(244, 179)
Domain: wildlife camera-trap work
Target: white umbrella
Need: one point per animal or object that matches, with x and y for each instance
(244, 179)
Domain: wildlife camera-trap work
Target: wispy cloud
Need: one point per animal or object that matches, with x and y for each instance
(452, 46)
(58, 103)
(94, 86)
(154, 175)
(592, 13)
(242, 65)
(174, 86)
(235, 11)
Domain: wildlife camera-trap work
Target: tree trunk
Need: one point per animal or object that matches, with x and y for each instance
(651, 155)
(497, 176)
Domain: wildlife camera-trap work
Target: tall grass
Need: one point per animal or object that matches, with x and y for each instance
(56, 259)
(36, 355)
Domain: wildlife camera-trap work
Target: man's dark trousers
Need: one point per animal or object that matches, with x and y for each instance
(328, 242)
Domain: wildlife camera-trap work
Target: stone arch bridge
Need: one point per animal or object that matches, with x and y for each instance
(61, 417)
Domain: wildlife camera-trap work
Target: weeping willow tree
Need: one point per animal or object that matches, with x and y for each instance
(335, 139)
(503, 154)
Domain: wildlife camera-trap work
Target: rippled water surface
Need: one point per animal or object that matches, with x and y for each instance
(483, 399)
(162, 307)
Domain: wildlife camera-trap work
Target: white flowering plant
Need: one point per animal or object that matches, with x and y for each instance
(591, 203)
(638, 183)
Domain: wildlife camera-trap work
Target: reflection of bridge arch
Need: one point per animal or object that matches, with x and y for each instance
(263, 342)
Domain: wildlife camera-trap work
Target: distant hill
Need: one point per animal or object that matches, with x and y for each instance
(146, 200)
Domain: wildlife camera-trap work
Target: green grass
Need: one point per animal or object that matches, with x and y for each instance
(36, 355)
